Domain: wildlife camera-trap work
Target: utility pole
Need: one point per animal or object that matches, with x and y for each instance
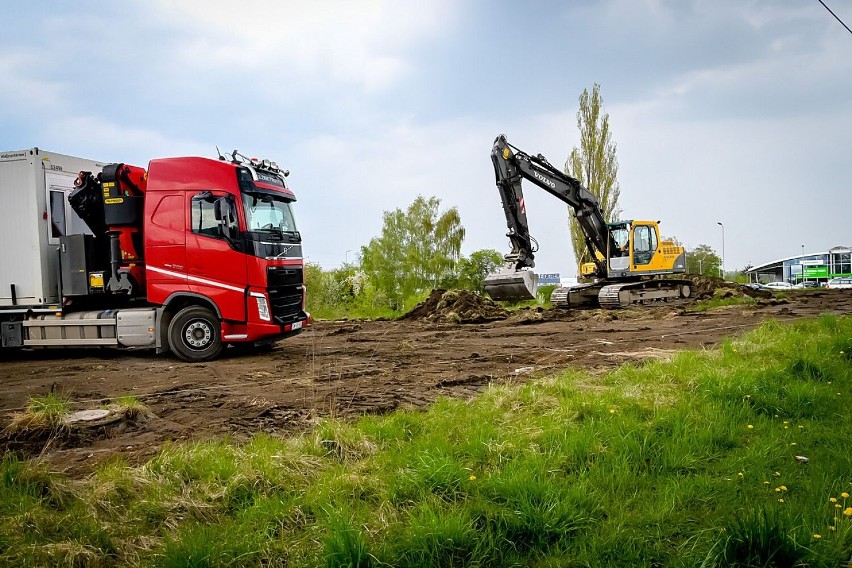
(723, 247)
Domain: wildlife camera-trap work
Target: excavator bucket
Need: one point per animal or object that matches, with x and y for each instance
(511, 285)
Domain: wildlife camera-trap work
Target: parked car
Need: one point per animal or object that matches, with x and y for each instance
(839, 283)
(780, 285)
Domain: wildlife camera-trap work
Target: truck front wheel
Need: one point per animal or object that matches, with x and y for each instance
(195, 334)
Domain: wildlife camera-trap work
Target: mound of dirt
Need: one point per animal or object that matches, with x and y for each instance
(457, 306)
(707, 287)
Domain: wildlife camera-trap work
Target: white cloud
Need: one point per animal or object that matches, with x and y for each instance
(110, 140)
(345, 185)
(25, 89)
(307, 44)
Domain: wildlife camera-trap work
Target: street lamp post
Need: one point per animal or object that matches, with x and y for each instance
(723, 247)
(347, 256)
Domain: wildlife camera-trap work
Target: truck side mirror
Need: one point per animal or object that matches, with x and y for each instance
(226, 216)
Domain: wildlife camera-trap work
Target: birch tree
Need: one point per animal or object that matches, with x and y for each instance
(418, 248)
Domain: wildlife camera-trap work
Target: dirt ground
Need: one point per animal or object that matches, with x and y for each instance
(349, 368)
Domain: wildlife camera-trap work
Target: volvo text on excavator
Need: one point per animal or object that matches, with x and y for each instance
(631, 263)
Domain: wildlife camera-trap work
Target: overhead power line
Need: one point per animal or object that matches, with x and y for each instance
(835, 16)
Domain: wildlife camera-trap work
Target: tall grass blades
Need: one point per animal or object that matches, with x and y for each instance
(736, 456)
(42, 413)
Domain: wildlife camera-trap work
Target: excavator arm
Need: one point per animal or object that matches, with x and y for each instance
(515, 281)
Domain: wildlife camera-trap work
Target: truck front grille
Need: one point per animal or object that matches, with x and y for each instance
(285, 293)
(283, 276)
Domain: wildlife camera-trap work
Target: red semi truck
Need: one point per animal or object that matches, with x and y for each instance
(187, 256)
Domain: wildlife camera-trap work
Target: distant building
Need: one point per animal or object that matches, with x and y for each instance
(819, 267)
(551, 278)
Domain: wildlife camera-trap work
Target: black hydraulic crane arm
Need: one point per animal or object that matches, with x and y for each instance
(512, 164)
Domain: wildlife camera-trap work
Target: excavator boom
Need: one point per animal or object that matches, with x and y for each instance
(516, 281)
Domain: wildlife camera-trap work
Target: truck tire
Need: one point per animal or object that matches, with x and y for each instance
(195, 334)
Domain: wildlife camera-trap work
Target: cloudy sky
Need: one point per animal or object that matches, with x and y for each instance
(722, 110)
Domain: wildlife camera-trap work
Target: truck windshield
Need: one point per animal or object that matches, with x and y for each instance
(266, 211)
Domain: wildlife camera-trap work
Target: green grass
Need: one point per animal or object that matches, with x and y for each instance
(687, 462)
(130, 406)
(42, 413)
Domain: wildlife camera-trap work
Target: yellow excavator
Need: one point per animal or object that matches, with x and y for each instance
(631, 263)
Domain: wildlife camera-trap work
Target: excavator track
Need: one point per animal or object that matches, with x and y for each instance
(620, 295)
(580, 296)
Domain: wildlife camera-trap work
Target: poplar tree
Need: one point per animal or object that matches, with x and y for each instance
(594, 164)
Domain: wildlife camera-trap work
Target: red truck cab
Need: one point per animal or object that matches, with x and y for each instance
(222, 254)
(187, 256)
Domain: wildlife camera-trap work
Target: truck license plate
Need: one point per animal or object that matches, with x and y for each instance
(297, 325)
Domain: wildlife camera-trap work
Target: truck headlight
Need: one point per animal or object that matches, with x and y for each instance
(262, 306)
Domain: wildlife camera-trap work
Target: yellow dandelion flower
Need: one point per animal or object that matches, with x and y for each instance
(472, 478)
(786, 422)
(777, 474)
(612, 411)
(817, 536)
(780, 500)
(783, 488)
(832, 499)
(848, 512)
(844, 495)
(786, 427)
(777, 490)
(792, 443)
(741, 474)
(766, 483)
(832, 528)
(838, 506)
(801, 427)
(750, 426)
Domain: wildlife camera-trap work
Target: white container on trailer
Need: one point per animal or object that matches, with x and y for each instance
(34, 213)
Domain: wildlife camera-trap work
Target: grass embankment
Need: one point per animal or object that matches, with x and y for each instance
(682, 463)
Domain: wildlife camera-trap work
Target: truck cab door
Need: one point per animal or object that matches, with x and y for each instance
(215, 269)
